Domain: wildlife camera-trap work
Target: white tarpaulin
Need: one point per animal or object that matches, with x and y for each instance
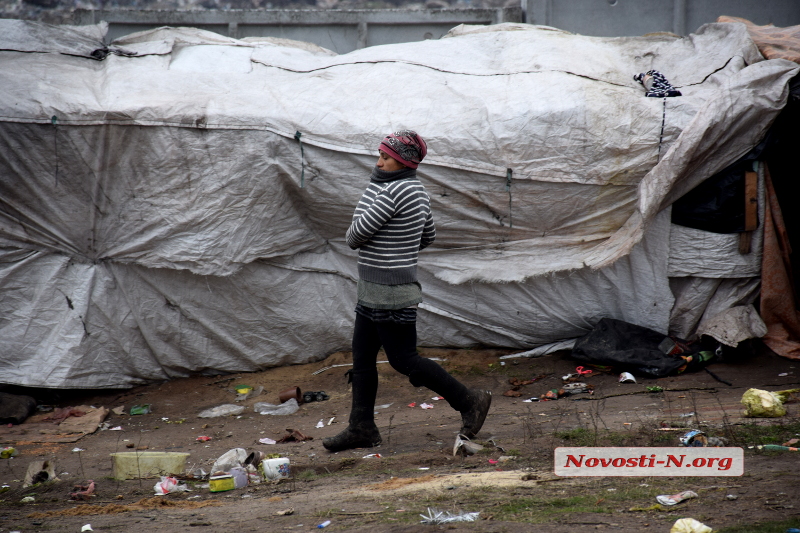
(176, 202)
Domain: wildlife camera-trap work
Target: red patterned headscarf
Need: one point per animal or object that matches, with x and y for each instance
(406, 147)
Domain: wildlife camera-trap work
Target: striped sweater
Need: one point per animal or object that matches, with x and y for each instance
(391, 224)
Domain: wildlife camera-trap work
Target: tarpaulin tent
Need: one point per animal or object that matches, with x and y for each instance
(176, 201)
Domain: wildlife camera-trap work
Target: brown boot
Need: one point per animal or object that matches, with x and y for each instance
(357, 435)
(472, 417)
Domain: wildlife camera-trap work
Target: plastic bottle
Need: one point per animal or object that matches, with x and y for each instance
(326, 523)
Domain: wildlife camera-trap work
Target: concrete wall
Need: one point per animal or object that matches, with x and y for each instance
(611, 18)
(338, 30)
(346, 30)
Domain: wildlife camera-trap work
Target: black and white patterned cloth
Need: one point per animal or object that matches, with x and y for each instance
(656, 85)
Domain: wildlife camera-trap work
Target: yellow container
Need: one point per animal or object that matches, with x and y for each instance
(221, 483)
(141, 465)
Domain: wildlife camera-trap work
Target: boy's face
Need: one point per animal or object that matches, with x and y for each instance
(387, 164)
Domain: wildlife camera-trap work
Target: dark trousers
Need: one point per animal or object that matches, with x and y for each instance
(399, 341)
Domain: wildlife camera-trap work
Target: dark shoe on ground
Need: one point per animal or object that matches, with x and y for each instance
(473, 416)
(358, 436)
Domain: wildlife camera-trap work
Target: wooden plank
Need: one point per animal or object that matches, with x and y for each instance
(750, 201)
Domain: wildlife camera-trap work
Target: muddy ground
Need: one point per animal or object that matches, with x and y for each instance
(510, 483)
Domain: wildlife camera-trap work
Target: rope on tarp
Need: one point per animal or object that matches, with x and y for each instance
(297, 136)
(509, 173)
(54, 122)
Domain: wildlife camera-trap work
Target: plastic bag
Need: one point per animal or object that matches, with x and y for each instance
(689, 525)
(169, 484)
(229, 460)
(286, 408)
(222, 410)
(762, 404)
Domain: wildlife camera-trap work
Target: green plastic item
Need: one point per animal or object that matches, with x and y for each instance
(143, 409)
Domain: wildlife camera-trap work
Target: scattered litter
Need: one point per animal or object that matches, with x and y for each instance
(689, 525)
(231, 458)
(492, 461)
(28, 499)
(276, 468)
(267, 440)
(285, 512)
(143, 409)
(377, 455)
(424, 468)
(436, 517)
(245, 392)
(326, 523)
(288, 407)
(468, 447)
(731, 497)
(776, 447)
(87, 527)
(505, 458)
(412, 404)
(221, 483)
(294, 435)
(783, 374)
(77, 450)
(766, 404)
(117, 428)
(581, 372)
(8, 452)
(694, 438)
(529, 400)
(655, 388)
(686, 415)
(627, 377)
(384, 406)
(437, 398)
(334, 418)
(203, 438)
(320, 424)
(118, 410)
(240, 478)
(576, 388)
(426, 406)
(320, 396)
(83, 492)
(791, 442)
(222, 410)
(168, 485)
(675, 499)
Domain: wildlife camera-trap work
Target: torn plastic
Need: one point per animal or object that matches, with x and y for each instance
(689, 525)
(286, 408)
(436, 517)
(675, 499)
(168, 485)
(232, 458)
(222, 410)
(466, 446)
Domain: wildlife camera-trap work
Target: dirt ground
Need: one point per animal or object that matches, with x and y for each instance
(510, 483)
